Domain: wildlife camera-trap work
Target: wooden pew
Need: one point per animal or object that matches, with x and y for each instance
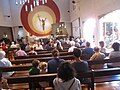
(45, 59)
(105, 75)
(15, 68)
(31, 78)
(47, 51)
(97, 75)
(42, 55)
(42, 78)
(104, 61)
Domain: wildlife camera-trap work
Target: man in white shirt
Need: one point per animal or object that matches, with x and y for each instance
(72, 43)
(4, 62)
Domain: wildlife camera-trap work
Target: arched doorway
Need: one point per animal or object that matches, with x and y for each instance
(109, 26)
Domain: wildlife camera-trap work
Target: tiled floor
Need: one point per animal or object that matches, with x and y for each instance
(108, 86)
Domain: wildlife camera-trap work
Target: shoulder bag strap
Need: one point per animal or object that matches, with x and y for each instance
(71, 84)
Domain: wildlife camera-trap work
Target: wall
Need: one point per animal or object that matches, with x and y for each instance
(65, 15)
(76, 28)
(6, 30)
(5, 15)
(92, 9)
(15, 13)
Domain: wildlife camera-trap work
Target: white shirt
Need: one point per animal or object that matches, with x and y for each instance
(60, 85)
(4, 62)
(71, 49)
(114, 54)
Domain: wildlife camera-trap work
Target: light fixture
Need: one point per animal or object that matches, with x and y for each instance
(30, 3)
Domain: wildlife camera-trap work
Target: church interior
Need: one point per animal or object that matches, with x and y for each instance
(39, 37)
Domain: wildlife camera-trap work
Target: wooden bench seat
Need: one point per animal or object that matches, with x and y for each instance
(22, 86)
(96, 75)
(113, 60)
(45, 59)
(15, 68)
(39, 78)
(107, 78)
(47, 51)
(42, 55)
(105, 75)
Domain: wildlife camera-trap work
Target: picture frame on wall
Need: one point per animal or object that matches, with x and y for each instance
(76, 29)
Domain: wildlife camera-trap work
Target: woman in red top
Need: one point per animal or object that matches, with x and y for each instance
(3, 47)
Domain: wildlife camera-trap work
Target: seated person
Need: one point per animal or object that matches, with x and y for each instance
(32, 52)
(3, 83)
(54, 63)
(102, 49)
(88, 51)
(97, 56)
(80, 65)
(59, 46)
(49, 46)
(72, 43)
(65, 79)
(20, 52)
(115, 53)
(77, 44)
(13, 45)
(35, 70)
(39, 46)
(4, 47)
(4, 62)
(28, 47)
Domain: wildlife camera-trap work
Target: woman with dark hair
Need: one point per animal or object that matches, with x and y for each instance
(65, 79)
(54, 63)
(59, 46)
(115, 53)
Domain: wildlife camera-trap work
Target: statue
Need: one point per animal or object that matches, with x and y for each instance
(42, 22)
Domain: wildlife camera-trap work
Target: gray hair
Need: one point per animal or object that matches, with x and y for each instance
(2, 54)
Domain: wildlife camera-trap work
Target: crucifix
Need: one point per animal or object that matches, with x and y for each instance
(42, 22)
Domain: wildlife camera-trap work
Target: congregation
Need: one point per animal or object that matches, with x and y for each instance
(77, 47)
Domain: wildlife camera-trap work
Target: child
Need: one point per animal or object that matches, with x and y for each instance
(35, 70)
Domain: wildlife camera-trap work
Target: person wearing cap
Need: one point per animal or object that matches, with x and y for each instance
(4, 62)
